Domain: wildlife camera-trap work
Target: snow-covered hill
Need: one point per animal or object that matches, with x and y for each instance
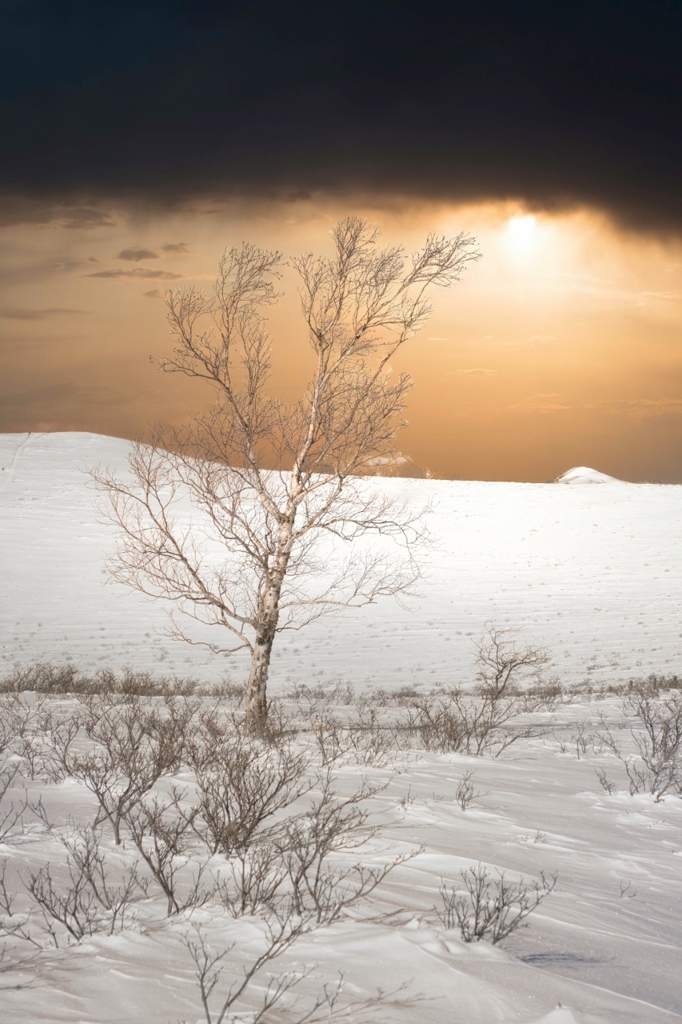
(592, 573)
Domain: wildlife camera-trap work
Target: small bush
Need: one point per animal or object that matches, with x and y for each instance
(466, 792)
(132, 745)
(656, 768)
(491, 908)
(84, 899)
(476, 723)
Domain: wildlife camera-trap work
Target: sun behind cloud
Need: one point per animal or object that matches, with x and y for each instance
(522, 234)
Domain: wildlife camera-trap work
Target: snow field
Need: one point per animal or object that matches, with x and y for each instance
(604, 944)
(592, 573)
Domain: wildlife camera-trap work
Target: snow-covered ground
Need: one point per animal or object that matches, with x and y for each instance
(603, 948)
(593, 573)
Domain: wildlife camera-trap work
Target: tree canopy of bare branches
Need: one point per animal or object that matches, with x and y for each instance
(268, 481)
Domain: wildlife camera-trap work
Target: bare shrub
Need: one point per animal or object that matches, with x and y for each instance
(547, 695)
(253, 881)
(654, 684)
(363, 740)
(24, 721)
(15, 715)
(162, 834)
(501, 663)
(466, 792)
(489, 907)
(580, 739)
(142, 684)
(438, 722)
(279, 936)
(133, 744)
(11, 811)
(46, 678)
(14, 924)
(316, 697)
(307, 864)
(14, 721)
(73, 906)
(327, 1006)
(324, 886)
(42, 677)
(606, 784)
(656, 768)
(6, 728)
(242, 782)
(115, 898)
(229, 692)
(475, 723)
(87, 900)
(332, 740)
(470, 723)
(373, 742)
(275, 856)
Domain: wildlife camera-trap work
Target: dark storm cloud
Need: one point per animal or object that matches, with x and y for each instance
(31, 207)
(83, 217)
(159, 101)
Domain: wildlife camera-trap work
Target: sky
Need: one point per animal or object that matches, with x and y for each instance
(141, 139)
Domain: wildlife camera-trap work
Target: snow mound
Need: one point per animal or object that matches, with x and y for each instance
(585, 475)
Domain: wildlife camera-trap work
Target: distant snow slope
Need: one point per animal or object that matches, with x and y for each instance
(585, 475)
(593, 573)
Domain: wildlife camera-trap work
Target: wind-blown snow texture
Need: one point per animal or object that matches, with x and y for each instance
(593, 573)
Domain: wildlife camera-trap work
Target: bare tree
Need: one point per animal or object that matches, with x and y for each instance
(501, 662)
(269, 480)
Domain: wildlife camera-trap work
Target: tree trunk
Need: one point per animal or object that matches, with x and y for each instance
(256, 689)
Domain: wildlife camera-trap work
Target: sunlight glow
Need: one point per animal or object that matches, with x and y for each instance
(521, 231)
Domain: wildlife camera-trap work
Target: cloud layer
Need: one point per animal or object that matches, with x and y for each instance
(159, 102)
(137, 273)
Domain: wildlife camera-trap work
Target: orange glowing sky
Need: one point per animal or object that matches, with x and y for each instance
(561, 347)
